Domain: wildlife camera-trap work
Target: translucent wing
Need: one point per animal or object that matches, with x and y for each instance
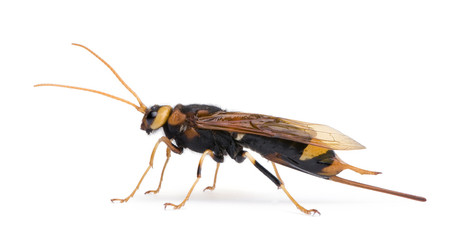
(263, 125)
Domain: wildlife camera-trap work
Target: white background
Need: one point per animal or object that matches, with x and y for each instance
(387, 73)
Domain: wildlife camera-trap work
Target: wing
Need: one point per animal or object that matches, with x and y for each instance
(263, 125)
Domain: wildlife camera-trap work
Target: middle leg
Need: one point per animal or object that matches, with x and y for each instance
(199, 169)
(211, 188)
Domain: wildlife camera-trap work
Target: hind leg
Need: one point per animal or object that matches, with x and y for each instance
(278, 181)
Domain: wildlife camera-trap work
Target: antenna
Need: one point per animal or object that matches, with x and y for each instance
(141, 108)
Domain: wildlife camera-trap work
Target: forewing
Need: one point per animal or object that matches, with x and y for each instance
(264, 125)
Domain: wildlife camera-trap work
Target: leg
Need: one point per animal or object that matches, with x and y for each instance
(313, 211)
(199, 168)
(276, 172)
(161, 175)
(211, 188)
(279, 183)
(170, 147)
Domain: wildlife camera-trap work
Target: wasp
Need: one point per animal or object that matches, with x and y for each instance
(214, 132)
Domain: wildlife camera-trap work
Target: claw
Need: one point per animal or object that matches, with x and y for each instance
(173, 205)
(210, 188)
(311, 212)
(152, 192)
(119, 200)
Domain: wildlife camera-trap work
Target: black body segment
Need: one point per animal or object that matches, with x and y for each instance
(287, 153)
(182, 128)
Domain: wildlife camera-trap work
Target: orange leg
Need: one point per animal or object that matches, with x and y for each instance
(279, 183)
(211, 188)
(170, 147)
(199, 168)
(161, 175)
(282, 186)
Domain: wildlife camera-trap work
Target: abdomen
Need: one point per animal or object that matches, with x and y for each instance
(306, 158)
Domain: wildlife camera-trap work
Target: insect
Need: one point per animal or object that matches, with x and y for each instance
(216, 133)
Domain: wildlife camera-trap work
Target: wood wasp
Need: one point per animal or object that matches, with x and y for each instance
(216, 133)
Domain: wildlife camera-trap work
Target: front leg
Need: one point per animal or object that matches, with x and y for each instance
(170, 147)
(161, 175)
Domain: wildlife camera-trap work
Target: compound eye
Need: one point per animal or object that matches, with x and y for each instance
(151, 117)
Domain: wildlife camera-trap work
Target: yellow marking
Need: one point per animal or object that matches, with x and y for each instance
(335, 168)
(176, 118)
(239, 136)
(312, 151)
(162, 116)
(202, 113)
(191, 133)
(250, 157)
(338, 165)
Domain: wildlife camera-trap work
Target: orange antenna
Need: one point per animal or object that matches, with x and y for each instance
(89, 90)
(141, 108)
